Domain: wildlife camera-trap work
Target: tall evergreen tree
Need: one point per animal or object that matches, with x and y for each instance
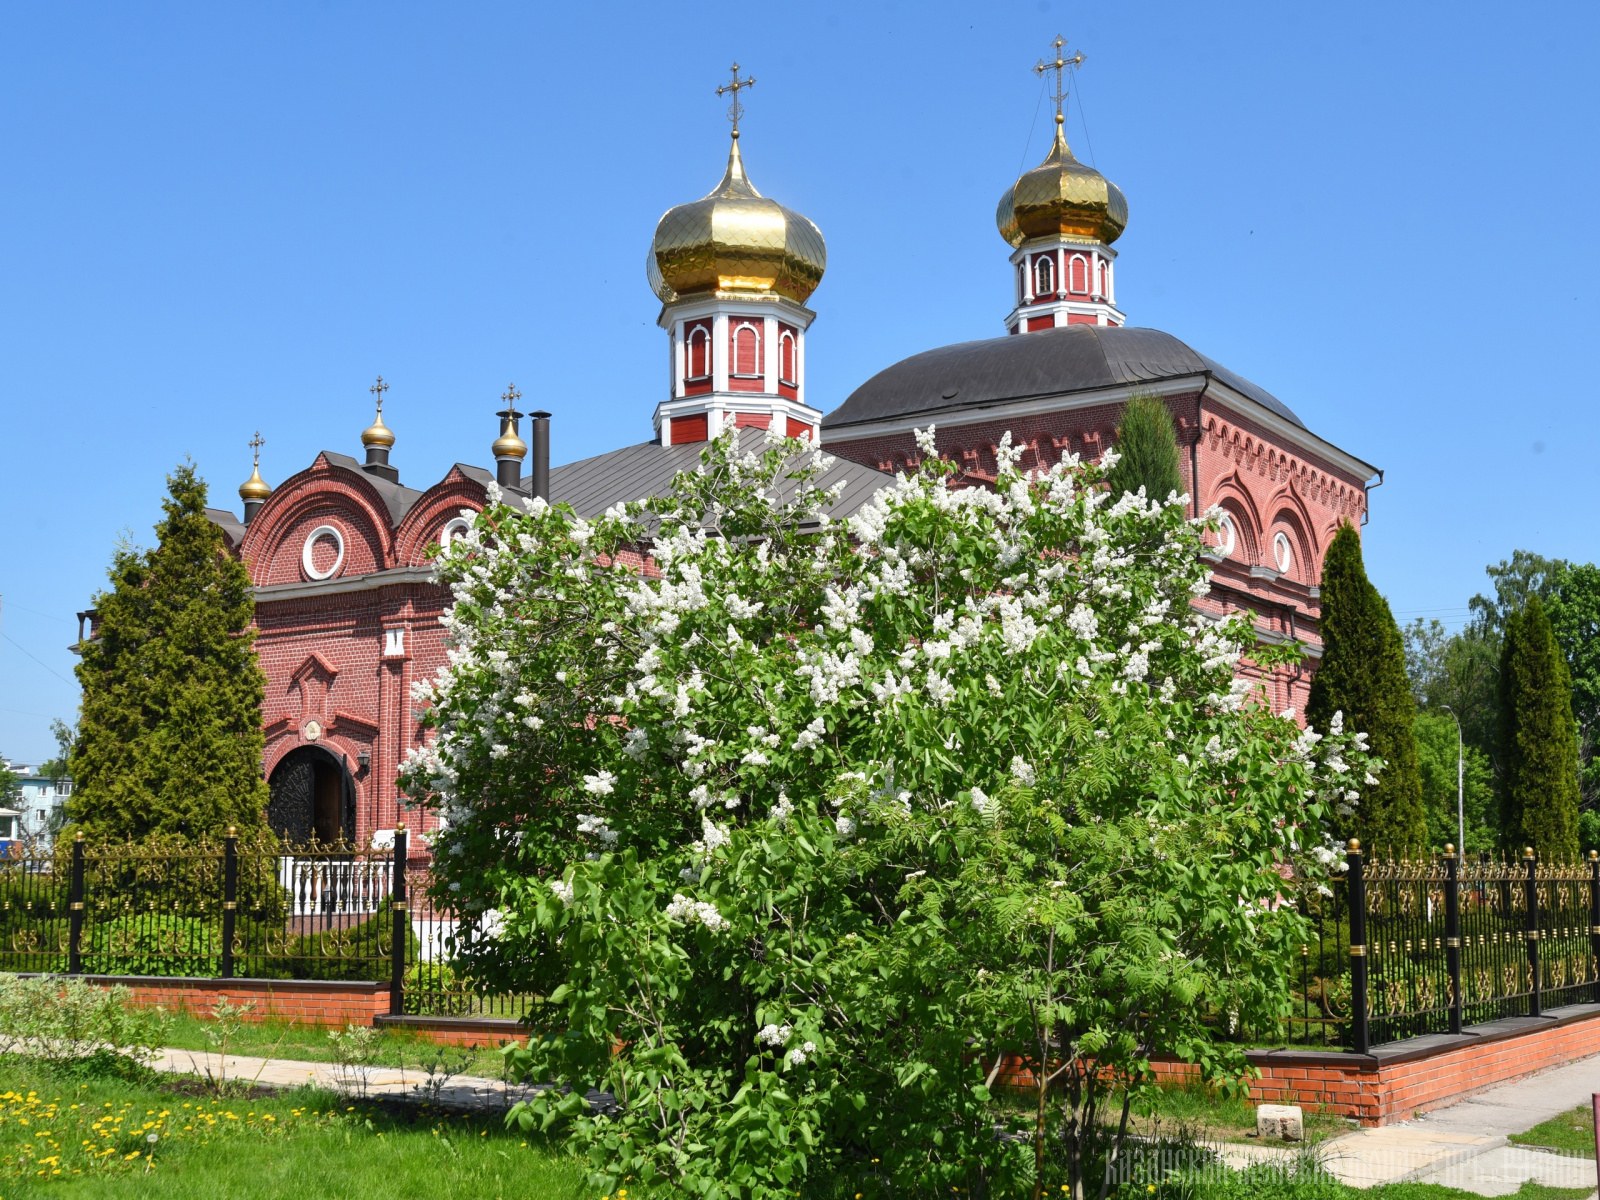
(1148, 446)
(169, 733)
(1538, 751)
(1363, 675)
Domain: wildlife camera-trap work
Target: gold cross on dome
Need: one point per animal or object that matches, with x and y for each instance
(1059, 66)
(256, 443)
(511, 396)
(378, 389)
(735, 109)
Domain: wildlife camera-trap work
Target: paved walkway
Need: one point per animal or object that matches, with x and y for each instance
(1463, 1146)
(459, 1091)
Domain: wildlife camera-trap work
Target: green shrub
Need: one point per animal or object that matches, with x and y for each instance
(355, 952)
(154, 944)
(67, 1023)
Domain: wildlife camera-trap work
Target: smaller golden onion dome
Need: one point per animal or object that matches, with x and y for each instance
(1062, 198)
(255, 488)
(377, 434)
(735, 240)
(508, 444)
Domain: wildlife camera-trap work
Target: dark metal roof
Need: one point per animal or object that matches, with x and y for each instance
(593, 485)
(397, 498)
(1048, 362)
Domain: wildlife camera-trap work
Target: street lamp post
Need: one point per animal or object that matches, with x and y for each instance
(1461, 790)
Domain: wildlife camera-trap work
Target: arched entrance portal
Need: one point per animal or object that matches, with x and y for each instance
(313, 795)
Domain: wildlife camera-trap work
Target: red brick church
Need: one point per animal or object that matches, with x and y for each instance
(348, 617)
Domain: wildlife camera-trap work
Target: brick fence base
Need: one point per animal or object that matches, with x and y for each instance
(1401, 1079)
(308, 1002)
(1391, 1083)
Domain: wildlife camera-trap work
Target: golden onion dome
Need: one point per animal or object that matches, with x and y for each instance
(1062, 198)
(255, 488)
(377, 434)
(735, 240)
(508, 444)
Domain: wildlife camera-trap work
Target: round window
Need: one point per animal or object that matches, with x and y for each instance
(323, 554)
(1282, 553)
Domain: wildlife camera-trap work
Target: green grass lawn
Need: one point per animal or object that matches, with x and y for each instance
(67, 1136)
(91, 1137)
(1571, 1132)
(274, 1038)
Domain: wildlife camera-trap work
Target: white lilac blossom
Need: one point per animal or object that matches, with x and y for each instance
(774, 1035)
(602, 784)
(562, 890)
(696, 912)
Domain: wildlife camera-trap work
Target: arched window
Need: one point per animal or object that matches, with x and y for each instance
(1078, 274)
(1022, 284)
(746, 351)
(1044, 275)
(698, 364)
(1105, 281)
(786, 357)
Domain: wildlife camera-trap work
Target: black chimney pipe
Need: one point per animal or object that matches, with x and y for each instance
(540, 435)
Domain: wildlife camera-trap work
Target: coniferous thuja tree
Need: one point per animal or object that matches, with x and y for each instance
(1363, 675)
(1148, 448)
(169, 734)
(1538, 745)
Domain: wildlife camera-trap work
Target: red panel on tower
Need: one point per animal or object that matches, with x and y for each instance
(752, 420)
(798, 429)
(1082, 319)
(689, 429)
(1045, 322)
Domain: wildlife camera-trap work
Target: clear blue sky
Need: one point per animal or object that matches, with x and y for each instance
(217, 217)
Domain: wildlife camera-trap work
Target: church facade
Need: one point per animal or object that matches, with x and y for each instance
(348, 618)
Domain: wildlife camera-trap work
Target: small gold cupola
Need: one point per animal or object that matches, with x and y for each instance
(378, 438)
(254, 491)
(509, 448)
(1061, 219)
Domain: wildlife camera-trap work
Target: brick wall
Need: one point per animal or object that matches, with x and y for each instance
(1397, 1081)
(334, 1005)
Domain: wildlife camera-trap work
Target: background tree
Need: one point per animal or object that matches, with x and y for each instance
(56, 769)
(1147, 445)
(1459, 670)
(10, 786)
(1538, 755)
(169, 733)
(1436, 766)
(1363, 676)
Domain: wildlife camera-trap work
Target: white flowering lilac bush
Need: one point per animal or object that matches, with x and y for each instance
(808, 830)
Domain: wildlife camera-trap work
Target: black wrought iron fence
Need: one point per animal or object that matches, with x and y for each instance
(1397, 949)
(232, 908)
(1438, 944)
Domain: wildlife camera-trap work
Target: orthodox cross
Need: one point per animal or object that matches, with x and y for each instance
(1058, 66)
(735, 109)
(378, 389)
(255, 444)
(510, 396)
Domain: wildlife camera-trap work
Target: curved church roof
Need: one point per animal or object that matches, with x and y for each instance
(1046, 362)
